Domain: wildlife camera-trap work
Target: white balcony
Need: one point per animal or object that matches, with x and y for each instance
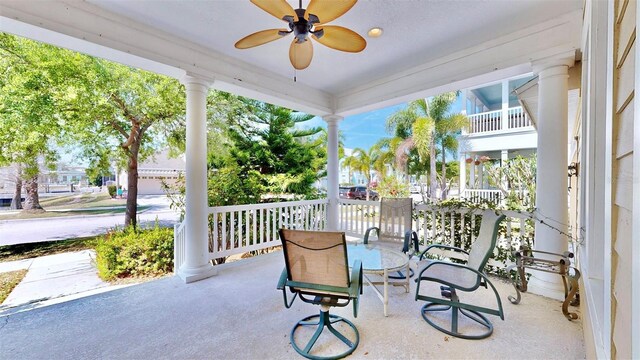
(492, 122)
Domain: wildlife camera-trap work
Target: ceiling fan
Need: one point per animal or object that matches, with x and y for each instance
(305, 22)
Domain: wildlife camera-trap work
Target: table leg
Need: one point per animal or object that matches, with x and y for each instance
(385, 301)
(406, 287)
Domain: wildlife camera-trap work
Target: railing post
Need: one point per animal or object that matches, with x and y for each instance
(505, 105)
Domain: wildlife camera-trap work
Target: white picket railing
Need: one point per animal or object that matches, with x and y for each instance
(477, 195)
(437, 225)
(179, 246)
(484, 122)
(243, 228)
(518, 118)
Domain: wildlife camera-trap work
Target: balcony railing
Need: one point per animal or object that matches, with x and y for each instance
(485, 122)
(479, 195)
(492, 121)
(494, 196)
(518, 118)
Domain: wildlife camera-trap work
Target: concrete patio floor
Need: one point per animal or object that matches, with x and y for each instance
(238, 314)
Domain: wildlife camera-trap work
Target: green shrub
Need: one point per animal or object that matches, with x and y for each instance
(391, 187)
(134, 253)
(112, 190)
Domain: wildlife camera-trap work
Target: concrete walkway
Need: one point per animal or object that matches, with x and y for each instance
(53, 277)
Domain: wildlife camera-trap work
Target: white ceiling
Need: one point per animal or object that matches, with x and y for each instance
(427, 46)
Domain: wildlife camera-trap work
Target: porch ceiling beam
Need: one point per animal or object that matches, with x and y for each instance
(84, 21)
(493, 60)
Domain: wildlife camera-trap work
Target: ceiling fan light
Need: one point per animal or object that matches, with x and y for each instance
(375, 32)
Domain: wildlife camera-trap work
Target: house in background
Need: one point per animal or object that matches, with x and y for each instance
(153, 171)
(63, 178)
(500, 129)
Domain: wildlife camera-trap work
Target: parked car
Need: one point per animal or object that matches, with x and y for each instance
(360, 193)
(343, 192)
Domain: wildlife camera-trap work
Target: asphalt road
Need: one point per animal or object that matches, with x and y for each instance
(50, 229)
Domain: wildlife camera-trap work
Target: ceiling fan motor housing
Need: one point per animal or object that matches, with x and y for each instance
(302, 27)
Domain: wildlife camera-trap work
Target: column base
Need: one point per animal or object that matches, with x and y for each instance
(547, 285)
(190, 275)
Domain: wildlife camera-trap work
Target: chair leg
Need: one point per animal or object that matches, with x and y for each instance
(476, 316)
(324, 319)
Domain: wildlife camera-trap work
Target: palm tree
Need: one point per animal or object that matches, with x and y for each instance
(447, 127)
(364, 162)
(413, 130)
(423, 125)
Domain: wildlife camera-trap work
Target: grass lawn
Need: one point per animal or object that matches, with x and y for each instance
(80, 201)
(9, 280)
(26, 251)
(53, 213)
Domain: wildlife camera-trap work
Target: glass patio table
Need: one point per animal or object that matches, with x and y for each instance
(379, 260)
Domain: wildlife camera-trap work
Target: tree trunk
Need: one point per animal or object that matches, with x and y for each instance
(432, 169)
(368, 184)
(443, 186)
(16, 202)
(130, 216)
(32, 201)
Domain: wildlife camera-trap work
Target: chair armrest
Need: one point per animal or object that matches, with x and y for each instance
(366, 234)
(440, 246)
(282, 284)
(356, 279)
(283, 279)
(356, 285)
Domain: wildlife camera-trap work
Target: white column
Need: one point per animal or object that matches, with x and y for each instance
(472, 172)
(505, 105)
(463, 173)
(196, 265)
(551, 183)
(333, 171)
(504, 158)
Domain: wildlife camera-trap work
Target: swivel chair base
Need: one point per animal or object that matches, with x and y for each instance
(324, 319)
(455, 312)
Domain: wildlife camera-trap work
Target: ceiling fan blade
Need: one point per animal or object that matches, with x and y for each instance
(328, 10)
(277, 8)
(259, 38)
(341, 38)
(301, 54)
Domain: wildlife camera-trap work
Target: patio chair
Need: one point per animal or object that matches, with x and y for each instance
(317, 271)
(466, 278)
(394, 228)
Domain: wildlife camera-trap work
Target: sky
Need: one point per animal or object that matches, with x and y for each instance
(364, 130)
